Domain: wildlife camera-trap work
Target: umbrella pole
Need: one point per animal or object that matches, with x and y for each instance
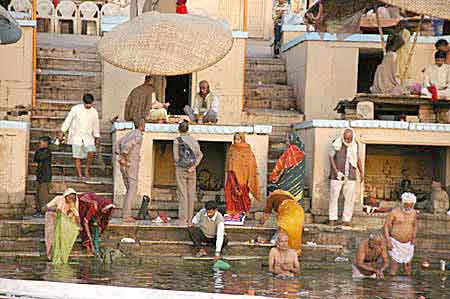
(410, 54)
(380, 31)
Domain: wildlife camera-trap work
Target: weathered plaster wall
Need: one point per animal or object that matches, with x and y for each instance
(259, 144)
(318, 141)
(14, 138)
(16, 72)
(325, 72)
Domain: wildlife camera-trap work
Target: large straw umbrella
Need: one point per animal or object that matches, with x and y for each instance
(433, 8)
(166, 44)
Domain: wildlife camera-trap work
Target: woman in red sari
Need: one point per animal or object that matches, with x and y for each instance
(242, 176)
(95, 213)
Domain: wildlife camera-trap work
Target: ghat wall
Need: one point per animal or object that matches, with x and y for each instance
(323, 68)
(257, 137)
(319, 134)
(16, 71)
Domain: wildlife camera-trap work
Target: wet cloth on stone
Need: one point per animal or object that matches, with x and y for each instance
(357, 274)
(401, 252)
(289, 171)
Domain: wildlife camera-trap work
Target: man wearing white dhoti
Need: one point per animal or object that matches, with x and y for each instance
(437, 76)
(400, 231)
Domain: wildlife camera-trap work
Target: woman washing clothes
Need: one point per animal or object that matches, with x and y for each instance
(62, 225)
(95, 213)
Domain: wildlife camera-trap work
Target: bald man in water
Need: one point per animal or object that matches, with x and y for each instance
(282, 260)
(367, 256)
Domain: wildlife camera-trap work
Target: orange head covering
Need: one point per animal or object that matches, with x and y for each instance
(242, 162)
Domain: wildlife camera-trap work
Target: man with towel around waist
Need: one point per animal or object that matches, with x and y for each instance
(400, 231)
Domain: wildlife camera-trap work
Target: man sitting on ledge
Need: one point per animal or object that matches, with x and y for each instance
(437, 77)
(208, 227)
(206, 105)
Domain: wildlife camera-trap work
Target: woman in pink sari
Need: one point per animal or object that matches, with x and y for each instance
(95, 213)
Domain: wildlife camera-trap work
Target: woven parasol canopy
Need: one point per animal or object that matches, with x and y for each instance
(10, 31)
(166, 44)
(432, 8)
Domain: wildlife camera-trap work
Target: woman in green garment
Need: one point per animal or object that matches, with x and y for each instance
(65, 227)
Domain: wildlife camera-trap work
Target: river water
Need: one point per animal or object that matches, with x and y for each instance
(319, 280)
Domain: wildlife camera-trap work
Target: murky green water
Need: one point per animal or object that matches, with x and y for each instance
(316, 280)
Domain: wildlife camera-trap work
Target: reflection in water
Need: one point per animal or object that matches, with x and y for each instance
(316, 280)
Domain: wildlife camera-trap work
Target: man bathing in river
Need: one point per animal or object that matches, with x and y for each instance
(367, 256)
(282, 260)
(400, 232)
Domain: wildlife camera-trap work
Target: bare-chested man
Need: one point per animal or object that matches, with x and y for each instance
(367, 256)
(282, 260)
(400, 232)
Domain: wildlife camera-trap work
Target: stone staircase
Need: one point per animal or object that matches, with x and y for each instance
(66, 70)
(321, 243)
(269, 100)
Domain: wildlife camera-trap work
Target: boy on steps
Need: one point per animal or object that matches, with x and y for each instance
(43, 158)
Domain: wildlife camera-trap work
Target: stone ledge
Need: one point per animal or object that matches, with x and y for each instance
(373, 124)
(199, 129)
(10, 124)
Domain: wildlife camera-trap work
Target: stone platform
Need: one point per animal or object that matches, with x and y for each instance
(321, 243)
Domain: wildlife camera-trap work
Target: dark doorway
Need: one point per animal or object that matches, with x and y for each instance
(369, 59)
(178, 93)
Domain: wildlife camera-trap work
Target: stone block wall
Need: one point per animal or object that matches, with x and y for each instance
(16, 72)
(14, 138)
(258, 142)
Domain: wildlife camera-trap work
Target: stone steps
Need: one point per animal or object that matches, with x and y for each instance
(66, 93)
(66, 150)
(265, 65)
(68, 169)
(70, 79)
(25, 238)
(66, 157)
(48, 105)
(69, 63)
(272, 116)
(36, 132)
(266, 77)
(268, 91)
(61, 183)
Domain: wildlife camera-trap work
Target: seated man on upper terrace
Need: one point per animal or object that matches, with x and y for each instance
(437, 77)
(206, 105)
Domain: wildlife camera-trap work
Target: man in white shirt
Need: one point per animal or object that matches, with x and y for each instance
(208, 227)
(206, 105)
(84, 133)
(438, 75)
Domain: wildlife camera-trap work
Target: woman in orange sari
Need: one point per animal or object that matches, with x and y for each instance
(242, 176)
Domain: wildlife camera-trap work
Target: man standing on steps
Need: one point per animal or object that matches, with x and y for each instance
(344, 161)
(187, 156)
(84, 133)
(128, 149)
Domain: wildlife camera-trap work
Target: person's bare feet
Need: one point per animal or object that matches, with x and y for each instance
(346, 223)
(332, 222)
(128, 219)
(202, 252)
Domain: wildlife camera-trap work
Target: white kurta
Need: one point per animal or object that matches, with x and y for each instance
(439, 77)
(83, 125)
